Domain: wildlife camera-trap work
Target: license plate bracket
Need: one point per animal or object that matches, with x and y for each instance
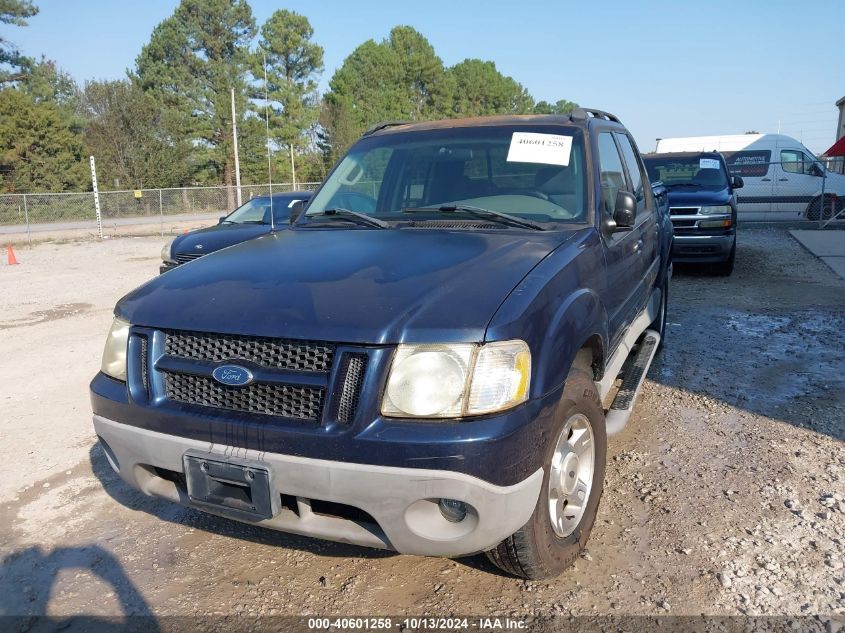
(230, 486)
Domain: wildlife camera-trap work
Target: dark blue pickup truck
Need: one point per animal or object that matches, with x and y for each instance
(429, 360)
(702, 206)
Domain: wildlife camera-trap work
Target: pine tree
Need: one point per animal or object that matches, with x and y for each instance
(293, 63)
(193, 60)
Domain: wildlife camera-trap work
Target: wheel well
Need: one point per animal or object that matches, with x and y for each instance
(591, 357)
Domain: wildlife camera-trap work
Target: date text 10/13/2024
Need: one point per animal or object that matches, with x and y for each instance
(418, 623)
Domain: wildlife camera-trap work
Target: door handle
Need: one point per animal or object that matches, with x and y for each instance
(783, 179)
(638, 246)
(766, 179)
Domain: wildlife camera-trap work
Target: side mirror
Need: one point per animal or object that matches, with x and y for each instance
(737, 182)
(624, 212)
(815, 170)
(296, 210)
(222, 219)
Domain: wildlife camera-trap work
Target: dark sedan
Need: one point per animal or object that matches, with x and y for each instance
(244, 223)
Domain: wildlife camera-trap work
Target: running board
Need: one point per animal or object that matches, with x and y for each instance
(620, 410)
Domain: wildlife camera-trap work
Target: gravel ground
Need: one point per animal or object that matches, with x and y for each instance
(724, 494)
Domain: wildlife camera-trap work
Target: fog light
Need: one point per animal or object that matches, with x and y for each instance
(453, 510)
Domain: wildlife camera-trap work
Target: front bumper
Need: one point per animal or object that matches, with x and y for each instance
(402, 502)
(692, 248)
(500, 449)
(165, 266)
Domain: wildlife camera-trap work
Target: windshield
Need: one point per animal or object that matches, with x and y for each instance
(699, 171)
(535, 173)
(257, 210)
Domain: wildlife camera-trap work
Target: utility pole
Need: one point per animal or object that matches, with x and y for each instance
(269, 150)
(237, 158)
(292, 169)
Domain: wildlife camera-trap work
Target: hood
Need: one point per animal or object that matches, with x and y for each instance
(213, 238)
(683, 197)
(352, 285)
(835, 183)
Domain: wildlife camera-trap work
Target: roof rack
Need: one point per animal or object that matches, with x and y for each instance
(382, 125)
(586, 113)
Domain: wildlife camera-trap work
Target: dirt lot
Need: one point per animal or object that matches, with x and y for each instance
(723, 496)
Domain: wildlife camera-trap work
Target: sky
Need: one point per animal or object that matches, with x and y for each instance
(666, 68)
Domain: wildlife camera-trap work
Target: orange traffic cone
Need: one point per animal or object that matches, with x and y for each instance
(10, 256)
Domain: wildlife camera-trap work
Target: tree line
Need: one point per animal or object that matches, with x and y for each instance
(169, 122)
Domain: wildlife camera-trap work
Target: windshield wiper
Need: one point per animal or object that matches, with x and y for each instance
(683, 184)
(353, 216)
(490, 214)
(253, 222)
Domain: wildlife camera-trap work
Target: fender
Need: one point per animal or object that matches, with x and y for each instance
(580, 321)
(556, 310)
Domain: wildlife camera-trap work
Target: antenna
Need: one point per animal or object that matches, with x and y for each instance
(269, 158)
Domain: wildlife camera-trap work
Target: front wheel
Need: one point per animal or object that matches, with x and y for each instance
(558, 530)
(726, 267)
(659, 323)
(818, 210)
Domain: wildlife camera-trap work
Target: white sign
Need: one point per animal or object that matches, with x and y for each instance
(531, 147)
(708, 163)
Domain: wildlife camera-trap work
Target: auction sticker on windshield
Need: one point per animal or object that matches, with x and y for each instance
(532, 147)
(708, 163)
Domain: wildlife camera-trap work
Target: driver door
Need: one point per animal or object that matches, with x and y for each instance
(798, 181)
(622, 250)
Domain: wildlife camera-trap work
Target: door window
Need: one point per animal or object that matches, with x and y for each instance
(795, 161)
(635, 170)
(612, 174)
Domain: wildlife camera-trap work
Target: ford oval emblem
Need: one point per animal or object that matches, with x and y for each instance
(232, 375)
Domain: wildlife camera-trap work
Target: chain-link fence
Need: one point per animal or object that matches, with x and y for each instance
(798, 190)
(835, 164)
(78, 210)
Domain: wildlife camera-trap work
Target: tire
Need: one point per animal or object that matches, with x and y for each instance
(536, 550)
(659, 324)
(814, 210)
(725, 268)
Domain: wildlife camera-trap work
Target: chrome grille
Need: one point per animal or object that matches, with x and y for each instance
(684, 210)
(184, 258)
(309, 356)
(302, 403)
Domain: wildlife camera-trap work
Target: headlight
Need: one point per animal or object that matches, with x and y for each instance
(447, 381)
(114, 354)
(722, 209)
(166, 255)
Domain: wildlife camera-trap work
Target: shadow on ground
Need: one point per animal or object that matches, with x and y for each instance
(29, 578)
